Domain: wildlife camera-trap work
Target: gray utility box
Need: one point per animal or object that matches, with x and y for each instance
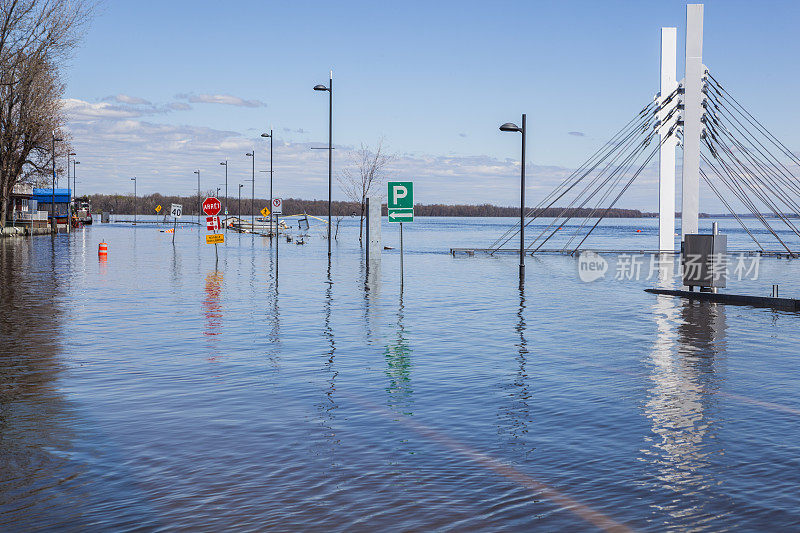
(705, 260)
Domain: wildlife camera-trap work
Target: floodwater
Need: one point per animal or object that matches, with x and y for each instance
(162, 389)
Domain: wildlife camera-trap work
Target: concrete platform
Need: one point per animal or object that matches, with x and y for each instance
(786, 304)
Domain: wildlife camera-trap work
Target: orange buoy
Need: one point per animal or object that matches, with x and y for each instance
(638, 231)
(102, 249)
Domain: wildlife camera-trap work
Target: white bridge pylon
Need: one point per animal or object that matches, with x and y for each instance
(688, 96)
(666, 163)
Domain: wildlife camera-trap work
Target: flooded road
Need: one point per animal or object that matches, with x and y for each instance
(163, 390)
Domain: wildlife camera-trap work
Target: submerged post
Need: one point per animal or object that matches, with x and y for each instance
(666, 168)
(374, 245)
(692, 115)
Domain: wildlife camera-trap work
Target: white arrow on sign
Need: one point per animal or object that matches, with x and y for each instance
(405, 214)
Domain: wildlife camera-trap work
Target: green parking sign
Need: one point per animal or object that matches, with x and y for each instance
(401, 201)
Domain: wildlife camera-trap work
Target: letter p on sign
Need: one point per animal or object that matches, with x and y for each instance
(398, 193)
(401, 194)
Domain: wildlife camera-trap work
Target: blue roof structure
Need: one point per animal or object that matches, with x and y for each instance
(45, 196)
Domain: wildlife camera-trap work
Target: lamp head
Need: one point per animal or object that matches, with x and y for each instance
(266, 135)
(72, 153)
(320, 88)
(249, 154)
(510, 126)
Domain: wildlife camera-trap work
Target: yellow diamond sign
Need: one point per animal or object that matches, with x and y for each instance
(265, 211)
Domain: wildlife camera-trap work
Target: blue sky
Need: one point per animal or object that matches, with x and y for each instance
(158, 89)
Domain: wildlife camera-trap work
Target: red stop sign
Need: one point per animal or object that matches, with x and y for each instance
(211, 206)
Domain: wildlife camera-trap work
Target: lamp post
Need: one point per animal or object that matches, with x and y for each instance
(135, 209)
(329, 88)
(225, 163)
(53, 225)
(271, 215)
(199, 201)
(508, 126)
(253, 190)
(74, 178)
(68, 184)
(240, 204)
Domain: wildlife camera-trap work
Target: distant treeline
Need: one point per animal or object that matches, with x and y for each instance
(145, 205)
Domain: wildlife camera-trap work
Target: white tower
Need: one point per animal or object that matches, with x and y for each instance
(692, 115)
(666, 168)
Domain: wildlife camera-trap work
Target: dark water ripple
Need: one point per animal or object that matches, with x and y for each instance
(159, 391)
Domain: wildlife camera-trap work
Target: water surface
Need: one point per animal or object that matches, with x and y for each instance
(162, 389)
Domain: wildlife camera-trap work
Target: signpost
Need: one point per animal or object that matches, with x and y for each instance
(277, 206)
(401, 209)
(158, 208)
(265, 212)
(176, 211)
(212, 207)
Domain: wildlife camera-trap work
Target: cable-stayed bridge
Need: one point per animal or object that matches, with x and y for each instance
(743, 164)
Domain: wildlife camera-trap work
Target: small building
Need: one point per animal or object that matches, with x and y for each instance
(22, 208)
(44, 199)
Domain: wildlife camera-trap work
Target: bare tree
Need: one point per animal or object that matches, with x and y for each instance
(365, 176)
(36, 37)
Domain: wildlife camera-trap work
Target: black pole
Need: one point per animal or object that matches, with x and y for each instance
(135, 202)
(53, 200)
(198, 196)
(240, 206)
(522, 207)
(253, 195)
(401, 256)
(226, 196)
(330, 158)
(272, 215)
(74, 180)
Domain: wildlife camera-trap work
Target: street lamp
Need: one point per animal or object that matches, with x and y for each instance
(271, 215)
(508, 126)
(198, 195)
(329, 88)
(135, 210)
(53, 225)
(253, 191)
(225, 163)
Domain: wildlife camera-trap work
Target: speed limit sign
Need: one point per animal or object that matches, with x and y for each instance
(176, 211)
(277, 206)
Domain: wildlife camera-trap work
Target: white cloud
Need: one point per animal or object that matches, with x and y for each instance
(115, 143)
(127, 99)
(225, 99)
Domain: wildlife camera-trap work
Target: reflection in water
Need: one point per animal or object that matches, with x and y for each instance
(398, 367)
(515, 418)
(372, 291)
(35, 440)
(689, 341)
(328, 407)
(212, 305)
